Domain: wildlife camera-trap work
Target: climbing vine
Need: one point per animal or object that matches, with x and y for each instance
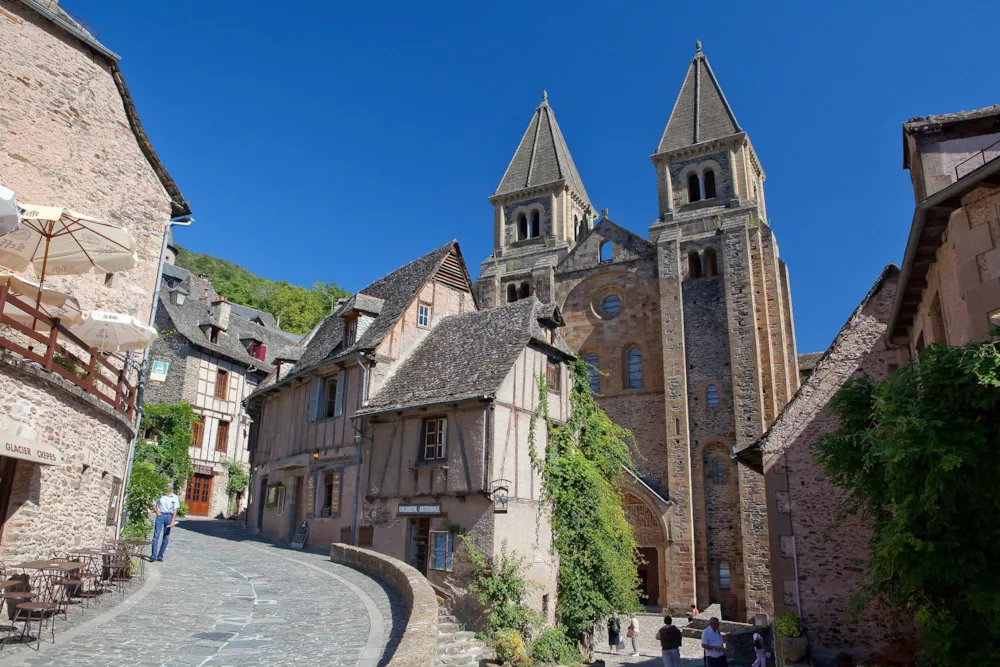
(917, 457)
(166, 431)
(581, 471)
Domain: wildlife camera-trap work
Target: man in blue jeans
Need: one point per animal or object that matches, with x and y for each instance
(166, 515)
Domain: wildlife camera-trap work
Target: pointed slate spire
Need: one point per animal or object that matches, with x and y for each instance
(542, 156)
(701, 112)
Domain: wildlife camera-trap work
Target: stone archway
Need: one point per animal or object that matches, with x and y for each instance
(645, 511)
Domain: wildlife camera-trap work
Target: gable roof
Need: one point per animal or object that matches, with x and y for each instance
(751, 454)
(468, 356)
(701, 112)
(542, 157)
(395, 291)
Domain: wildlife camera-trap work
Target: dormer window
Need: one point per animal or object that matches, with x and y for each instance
(351, 334)
(256, 349)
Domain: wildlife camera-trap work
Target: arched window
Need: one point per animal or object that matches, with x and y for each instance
(709, 184)
(534, 225)
(712, 396)
(511, 293)
(611, 304)
(718, 473)
(711, 268)
(694, 265)
(593, 371)
(694, 188)
(577, 227)
(522, 226)
(634, 360)
(606, 251)
(524, 291)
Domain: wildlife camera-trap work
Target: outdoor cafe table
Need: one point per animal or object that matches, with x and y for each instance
(63, 565)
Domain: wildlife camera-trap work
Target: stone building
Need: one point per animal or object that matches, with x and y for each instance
(213, 354)
(689, 332)
(406, 421)
(71, 137)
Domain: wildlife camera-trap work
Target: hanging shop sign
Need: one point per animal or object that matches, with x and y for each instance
(19, 447)
(419, 510)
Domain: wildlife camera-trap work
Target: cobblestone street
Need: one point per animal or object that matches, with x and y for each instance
(220, 598)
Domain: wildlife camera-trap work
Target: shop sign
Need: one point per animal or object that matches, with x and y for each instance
(419, 510)
(158, 373)
(19, 447)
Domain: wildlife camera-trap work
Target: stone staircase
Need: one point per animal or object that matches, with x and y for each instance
(457, 647)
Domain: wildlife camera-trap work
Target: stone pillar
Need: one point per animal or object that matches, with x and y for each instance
(791, 348)
(776, 320)
(761, 298)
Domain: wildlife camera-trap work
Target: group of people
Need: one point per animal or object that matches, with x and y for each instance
(713, 642)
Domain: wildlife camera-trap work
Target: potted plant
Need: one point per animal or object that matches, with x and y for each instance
(793, 645)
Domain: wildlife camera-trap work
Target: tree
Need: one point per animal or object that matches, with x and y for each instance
(581, 473)
(917, 456)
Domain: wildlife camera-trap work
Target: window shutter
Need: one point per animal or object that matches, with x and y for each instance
(315, 389)
(451, 549)
(261, 351)
(339, 405)
(444, 437)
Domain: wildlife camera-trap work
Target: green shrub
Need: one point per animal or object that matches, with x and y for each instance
(183, 510)
(789, 624)
(500, 586)
(144, 486)
(553, 646)
(509, 647)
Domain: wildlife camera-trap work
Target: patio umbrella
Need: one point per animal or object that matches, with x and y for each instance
(51, 302)
(8, 211)
(114, 331)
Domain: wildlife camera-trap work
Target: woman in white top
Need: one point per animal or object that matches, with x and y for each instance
(633, 633)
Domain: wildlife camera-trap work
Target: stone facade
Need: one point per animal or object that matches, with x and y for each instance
(690, 333)
(71, 138)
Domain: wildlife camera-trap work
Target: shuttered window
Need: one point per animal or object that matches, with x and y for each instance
(441, 550)
(222, 437)
(712, 396)
(222, 384)
(197, 433)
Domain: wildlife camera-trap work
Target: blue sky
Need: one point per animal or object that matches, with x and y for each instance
(337, 141)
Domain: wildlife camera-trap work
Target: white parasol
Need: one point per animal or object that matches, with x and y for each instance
(114, 331)
(8, 211)
(51, 302)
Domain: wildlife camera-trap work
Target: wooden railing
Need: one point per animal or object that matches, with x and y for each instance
(64, 354)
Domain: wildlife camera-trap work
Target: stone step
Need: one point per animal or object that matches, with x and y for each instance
(461, 658)
(447, 627)
(459, 635)
(460, 647)
(444, 618)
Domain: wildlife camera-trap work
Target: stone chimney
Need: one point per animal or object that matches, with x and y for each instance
(220, 311)
(338, 303)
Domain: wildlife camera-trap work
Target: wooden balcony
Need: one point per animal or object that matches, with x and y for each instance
(58, 351)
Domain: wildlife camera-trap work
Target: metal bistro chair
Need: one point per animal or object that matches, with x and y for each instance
(118, 567)
(66, 584)
(44, 607)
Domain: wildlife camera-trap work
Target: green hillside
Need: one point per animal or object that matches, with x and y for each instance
(296, 308)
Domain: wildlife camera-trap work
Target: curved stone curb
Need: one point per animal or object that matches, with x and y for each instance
(418, 645)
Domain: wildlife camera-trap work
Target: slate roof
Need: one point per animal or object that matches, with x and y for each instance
(808, 360)
(396, 291)
(542, 157)
(468, 356)
(701, 112)
(935, 121)
(250, 313)
(190, 319)
(172, 271)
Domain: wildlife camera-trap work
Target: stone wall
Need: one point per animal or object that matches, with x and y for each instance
(418, 645)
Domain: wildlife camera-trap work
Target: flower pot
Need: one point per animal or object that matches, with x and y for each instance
(793, 649)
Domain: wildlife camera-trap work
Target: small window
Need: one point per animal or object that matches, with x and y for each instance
(553, 376)
(522, 227)
(222, 437)
(441, 550)
(352, 331)
(694, 265)
(724, 576)
(593, 371)
(712, 396)
(213, 335)
(197, 433)
(524, 291)
(611, 305)
(424, 315)
(435, 438)
(331, 493)
(677, 426)
(222, 384)
(116, 489)
(711, 267)
(694, 188)
(607, 251)
(577, 228)
(709, 184)
(511, 293)
(330, 394)
(718, 473)
(634, 360)
(534, 225)
(280, 500)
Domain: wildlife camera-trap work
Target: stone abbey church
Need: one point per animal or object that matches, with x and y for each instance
(689, 333)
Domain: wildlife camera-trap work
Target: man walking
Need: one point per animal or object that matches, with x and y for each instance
(713, 643)
(670, 643)
(166, 516)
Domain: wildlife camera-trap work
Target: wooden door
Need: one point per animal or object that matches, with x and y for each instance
(199, 494)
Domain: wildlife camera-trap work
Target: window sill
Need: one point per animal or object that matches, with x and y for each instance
(442, 464)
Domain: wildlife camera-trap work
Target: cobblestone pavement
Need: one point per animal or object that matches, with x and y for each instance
(222, 598)
(649, 648)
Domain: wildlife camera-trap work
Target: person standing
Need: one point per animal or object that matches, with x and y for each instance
(760, 650)
(614, 633)
(166, 516)
(633, 633)
(670, 638)
(714, 644)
